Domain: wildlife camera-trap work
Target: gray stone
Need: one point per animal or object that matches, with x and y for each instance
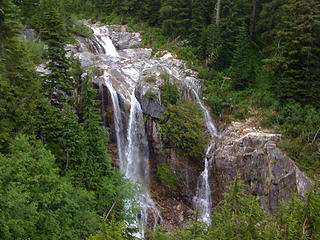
(150, 106)
(271, 175)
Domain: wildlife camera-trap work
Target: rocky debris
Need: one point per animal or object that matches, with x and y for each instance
(175, 213)
(253, 154)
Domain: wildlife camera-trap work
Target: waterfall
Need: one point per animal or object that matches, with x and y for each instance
(133, 150)
(202, 200)
(136, 165)
(117, 119)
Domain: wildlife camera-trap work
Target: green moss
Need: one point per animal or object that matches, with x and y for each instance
(151, 79)
(166, 174)
(150, 94)
(182, 126)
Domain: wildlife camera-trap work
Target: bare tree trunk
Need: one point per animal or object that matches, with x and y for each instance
(253, 17)
(218, 12)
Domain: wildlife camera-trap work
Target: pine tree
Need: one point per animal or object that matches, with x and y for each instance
(20, 91)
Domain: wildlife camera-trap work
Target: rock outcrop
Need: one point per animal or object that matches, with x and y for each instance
(254, 156)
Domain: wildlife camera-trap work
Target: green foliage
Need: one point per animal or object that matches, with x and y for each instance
(300, 124)
(295, 50)
(195, 231)
(298, 219)
(239, 216)
(151, 95)
(166, 174)
(182, 126)
(169, 92)
(36, 203)
(78, 28)
(51, 24)
(36, 51)
(243, 72)
(20, 91)
(110, 230)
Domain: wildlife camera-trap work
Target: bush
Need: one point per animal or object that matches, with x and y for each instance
(169, 92)
(182, 126)
(78, 28)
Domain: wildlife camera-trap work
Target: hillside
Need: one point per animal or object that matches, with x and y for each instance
(159, 119)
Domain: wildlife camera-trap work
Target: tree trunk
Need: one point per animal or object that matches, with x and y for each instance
(253, 17)
(218, 12)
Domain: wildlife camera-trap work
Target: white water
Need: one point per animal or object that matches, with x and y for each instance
(202, 200)
(133, 150)
(105, 41)
(136, 165)
(117, 118)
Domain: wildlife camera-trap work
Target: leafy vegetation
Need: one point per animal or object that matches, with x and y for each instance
(56, 175)
(169, 92)
(182, 126)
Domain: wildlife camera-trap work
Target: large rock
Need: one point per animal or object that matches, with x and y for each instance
(271, 175)
(150, 105)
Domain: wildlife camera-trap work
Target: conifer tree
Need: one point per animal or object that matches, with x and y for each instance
(242, 62)
(296, 50)
(51, 25)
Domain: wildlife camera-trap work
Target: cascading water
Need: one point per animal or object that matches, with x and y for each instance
(117, 119)
(136, 167)
(133, 151)
(202, 200)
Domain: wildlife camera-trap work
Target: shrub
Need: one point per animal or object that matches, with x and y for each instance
(169, 92)
(36, 51)
(182, 126)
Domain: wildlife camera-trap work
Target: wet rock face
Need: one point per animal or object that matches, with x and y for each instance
(270, 174)
(186, 170)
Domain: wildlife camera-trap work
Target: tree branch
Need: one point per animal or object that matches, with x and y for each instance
(110, 210)
(315, 136)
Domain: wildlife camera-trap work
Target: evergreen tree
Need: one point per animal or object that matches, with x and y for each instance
(242, 63)
(51, 25)
(20, 91)
(296, 50)
(36, 203)
(239, 216)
